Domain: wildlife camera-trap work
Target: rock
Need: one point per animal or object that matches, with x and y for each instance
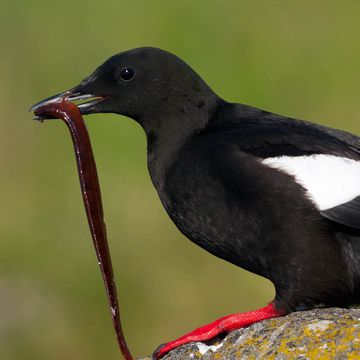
(319, 334)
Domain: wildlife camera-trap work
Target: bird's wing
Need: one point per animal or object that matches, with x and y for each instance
(272, 136)
(326, 162)
(331, 182)
(347, 214)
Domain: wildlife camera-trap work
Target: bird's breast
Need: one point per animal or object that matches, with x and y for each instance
(195, 198)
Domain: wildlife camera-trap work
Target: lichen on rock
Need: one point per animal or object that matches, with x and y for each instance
(320, 334)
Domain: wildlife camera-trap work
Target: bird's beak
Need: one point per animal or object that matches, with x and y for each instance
(72, 95)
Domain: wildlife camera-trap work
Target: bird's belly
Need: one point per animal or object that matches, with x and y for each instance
(203, 214)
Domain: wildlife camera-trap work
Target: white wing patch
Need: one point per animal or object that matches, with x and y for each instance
(329, 180)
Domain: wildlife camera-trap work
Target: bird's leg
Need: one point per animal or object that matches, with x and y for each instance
(222, 325)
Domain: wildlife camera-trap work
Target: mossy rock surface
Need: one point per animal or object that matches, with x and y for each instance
(321, 334)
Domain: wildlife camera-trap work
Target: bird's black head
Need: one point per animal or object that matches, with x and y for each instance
(145, 84)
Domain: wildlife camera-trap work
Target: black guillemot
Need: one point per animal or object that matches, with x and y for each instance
(276, 196)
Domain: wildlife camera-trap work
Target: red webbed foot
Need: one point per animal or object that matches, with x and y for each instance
(222, 325)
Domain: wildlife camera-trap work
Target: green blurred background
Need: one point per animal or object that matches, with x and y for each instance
(299, 58)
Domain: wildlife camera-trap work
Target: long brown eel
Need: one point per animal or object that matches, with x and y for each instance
(90, 189)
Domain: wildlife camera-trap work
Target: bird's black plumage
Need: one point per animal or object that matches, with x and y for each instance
(276, 232)
(346, 214)
(209, 162)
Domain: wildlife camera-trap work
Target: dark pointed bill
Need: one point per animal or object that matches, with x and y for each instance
(90, 100)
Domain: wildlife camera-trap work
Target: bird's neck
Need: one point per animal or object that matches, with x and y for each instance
(169, 133)
(163, 145)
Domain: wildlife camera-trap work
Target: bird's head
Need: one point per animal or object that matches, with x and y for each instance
(144, 83)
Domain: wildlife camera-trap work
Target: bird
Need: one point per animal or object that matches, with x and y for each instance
(277, 196)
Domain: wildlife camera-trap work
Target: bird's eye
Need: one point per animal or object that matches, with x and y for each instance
(127, 74)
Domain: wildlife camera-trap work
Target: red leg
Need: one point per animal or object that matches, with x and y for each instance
(222, 325)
